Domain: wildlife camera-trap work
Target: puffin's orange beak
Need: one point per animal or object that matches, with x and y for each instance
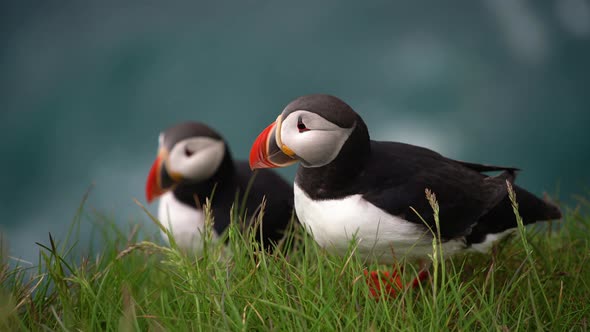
(268, 151)
(159, 180)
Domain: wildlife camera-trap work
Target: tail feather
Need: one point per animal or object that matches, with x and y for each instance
(532, 208)
(501, 218)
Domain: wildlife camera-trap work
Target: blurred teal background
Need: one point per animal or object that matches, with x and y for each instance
(85, 89)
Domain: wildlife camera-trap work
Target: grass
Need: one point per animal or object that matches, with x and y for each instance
(537, 280)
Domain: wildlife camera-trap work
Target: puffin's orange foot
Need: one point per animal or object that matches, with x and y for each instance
(422, 275)
(391, 283)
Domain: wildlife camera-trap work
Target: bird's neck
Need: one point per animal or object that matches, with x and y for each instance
(337, 178)
(195, 193)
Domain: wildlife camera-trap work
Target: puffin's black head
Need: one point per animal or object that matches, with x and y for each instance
(313, 129)
(188, 152)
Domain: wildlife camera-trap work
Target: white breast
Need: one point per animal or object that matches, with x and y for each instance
(185, 222)
(379, 235)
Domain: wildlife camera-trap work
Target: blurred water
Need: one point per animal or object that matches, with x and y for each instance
(85, 88)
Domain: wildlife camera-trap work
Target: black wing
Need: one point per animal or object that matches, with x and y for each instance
(398, 175)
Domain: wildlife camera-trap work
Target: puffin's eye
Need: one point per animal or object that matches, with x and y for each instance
(188, 152)
(301, 126)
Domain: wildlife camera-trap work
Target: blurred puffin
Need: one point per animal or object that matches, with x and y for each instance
(348, 185)
(192, 160)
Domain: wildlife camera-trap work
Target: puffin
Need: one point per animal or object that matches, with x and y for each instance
(193, 164)
(351, 188)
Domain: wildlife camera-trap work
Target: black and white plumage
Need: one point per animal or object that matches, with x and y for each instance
(192, 160)
(350, 186)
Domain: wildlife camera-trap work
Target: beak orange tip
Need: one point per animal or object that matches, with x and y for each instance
(258, 153)
(152, 188)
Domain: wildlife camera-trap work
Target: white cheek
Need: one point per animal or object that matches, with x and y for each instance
(202, 164)
(317, 147)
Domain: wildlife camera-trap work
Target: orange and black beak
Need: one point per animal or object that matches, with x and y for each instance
(159, 179)
(268, 151)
